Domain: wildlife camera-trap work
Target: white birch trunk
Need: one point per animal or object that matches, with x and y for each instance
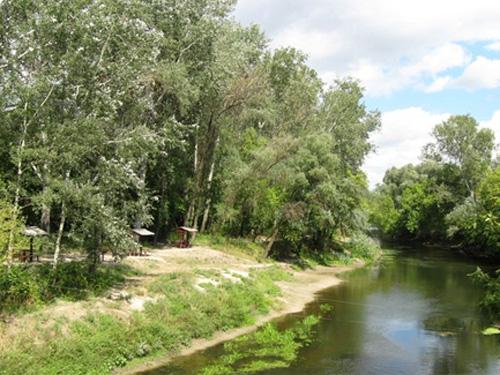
(15, 211)
(209, 186)
(60, 232)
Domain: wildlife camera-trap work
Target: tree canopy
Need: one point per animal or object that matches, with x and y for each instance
(161, 113)
(451, 196)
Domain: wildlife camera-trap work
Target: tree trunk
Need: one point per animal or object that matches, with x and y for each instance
(209, 187)
(196, 216)
(94, 254)
(189, 216)
(60, 232)
(15, 211)
(204, 221)
(17, 194)
(140, 211)
(272, 240)
(159, 217)
(45, 218)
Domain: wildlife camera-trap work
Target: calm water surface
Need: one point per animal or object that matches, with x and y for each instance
(413, 313)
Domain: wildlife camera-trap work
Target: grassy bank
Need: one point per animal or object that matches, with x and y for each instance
(101, 342)
(359, 247)
(240, 247)
(183, 295)
(28, 287)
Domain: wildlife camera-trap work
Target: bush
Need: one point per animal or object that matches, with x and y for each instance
(362, 247)
(18, 287)
(26, 286)
(491, 299)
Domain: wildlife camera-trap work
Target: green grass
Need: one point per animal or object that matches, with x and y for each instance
(235, 246)
(359, 247)
(100, 343)
(27, 287)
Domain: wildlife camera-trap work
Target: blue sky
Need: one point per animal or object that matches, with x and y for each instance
(419, 61)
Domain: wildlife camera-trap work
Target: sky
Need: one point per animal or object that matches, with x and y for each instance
(419, 61)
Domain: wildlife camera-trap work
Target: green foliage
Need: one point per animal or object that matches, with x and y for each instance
(265, 349)
(382, 212)
(491, 299)
(460, 142)
(101, 343)
(491, 331)
(23, 287)
(130, 120)
(326, 308)
(8, 224)
(452, 195)
(362, 247)
(476, 222)
(237, 246)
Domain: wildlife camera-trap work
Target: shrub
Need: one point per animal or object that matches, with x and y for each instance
(491, 299)
(362, 247)
(25, 286)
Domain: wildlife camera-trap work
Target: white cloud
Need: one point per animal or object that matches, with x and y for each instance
(481, 73)
(495, 46)
(390, 44)
(494, 124)
(440, 59)
(318, 45)
(379, 81)
(438, 84)
(403, 134)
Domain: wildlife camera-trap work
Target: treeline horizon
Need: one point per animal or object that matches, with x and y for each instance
(452, 197)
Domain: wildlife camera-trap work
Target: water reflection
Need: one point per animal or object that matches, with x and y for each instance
(414, 313)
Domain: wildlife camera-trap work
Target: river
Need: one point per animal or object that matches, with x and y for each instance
(414, 312)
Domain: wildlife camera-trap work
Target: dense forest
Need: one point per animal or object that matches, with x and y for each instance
(452, 197)
(162, 113)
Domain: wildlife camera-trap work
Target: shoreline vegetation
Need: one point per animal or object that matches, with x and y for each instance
(173, 302)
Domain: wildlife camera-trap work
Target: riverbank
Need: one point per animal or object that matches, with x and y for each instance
(180, 301)
(296, 294)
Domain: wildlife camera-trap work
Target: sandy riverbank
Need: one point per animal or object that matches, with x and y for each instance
(297, 293)
(201, 265)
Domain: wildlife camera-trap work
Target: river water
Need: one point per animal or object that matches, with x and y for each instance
(414, 312)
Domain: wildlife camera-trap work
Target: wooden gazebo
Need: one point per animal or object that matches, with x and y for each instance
(31, 232)
(139, 235)
(186, 235)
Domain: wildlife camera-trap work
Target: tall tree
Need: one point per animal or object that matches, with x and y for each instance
(459, 141)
